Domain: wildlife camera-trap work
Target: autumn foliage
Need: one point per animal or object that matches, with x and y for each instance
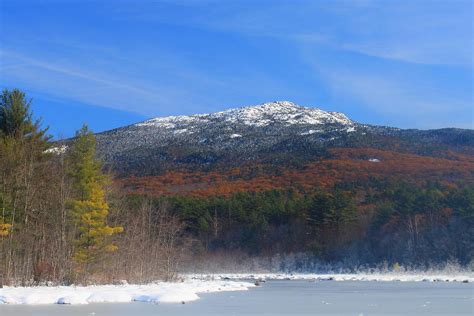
(89, 207)
(344, 165)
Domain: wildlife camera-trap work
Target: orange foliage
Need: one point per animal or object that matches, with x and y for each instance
(346, 165)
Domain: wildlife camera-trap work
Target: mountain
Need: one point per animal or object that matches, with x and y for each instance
(252, 132)
(272, 140)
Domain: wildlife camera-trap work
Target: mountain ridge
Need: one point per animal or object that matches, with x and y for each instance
(259, 115)
(277, 137)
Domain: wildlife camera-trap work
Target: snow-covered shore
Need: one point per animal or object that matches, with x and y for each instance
(155, 293)
(392, 276)
(194, 284)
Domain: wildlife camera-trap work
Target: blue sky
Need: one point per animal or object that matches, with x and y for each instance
(109, 63)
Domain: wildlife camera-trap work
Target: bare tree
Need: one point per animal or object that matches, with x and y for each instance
(151, 246)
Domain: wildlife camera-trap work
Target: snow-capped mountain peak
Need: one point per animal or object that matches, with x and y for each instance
(272, 132)
(283, 112)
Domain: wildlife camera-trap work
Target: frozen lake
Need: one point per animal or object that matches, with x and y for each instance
(293, 298)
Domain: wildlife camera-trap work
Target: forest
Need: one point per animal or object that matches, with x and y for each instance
(393, 222)
(66, 219)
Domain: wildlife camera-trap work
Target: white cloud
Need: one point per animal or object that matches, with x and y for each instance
(81, 84)
(396, 99)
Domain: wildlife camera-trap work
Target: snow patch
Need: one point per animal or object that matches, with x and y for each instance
(180, 131)
(157, 293)
(374, 160)
(351, 129)
(311, 131)
(281, 112)
(173, 121)
(56, 150)
(235, 136)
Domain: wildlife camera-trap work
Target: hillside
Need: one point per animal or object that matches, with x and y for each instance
(277, 145)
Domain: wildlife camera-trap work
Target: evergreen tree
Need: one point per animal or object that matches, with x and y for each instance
(16, 119)
(89, 208)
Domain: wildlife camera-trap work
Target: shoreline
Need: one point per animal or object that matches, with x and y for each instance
(194, 284)
(159, 292)
(463, 277)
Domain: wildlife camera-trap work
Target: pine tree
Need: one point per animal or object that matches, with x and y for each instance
(89, 209)
(16, 118)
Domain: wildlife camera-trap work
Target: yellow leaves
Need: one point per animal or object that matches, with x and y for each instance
(80, 256)
(102, 231)
(111, 248)
(91, 215)
(4, 228)
(90, 208)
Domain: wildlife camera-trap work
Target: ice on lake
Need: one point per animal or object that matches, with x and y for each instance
(293, 297)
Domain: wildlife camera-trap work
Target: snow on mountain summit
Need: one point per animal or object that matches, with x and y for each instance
(245, 129)
(283, 112)
(275, 132)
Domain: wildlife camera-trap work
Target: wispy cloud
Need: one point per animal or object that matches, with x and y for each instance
(397, 96)
(83, 84)
(426, 32)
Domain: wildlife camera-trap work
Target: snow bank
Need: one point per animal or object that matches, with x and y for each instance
(155, 293)
(403, 277)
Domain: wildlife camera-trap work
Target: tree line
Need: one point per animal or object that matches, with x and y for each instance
(396, 222)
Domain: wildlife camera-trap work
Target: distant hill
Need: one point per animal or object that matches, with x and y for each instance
(276, 145)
